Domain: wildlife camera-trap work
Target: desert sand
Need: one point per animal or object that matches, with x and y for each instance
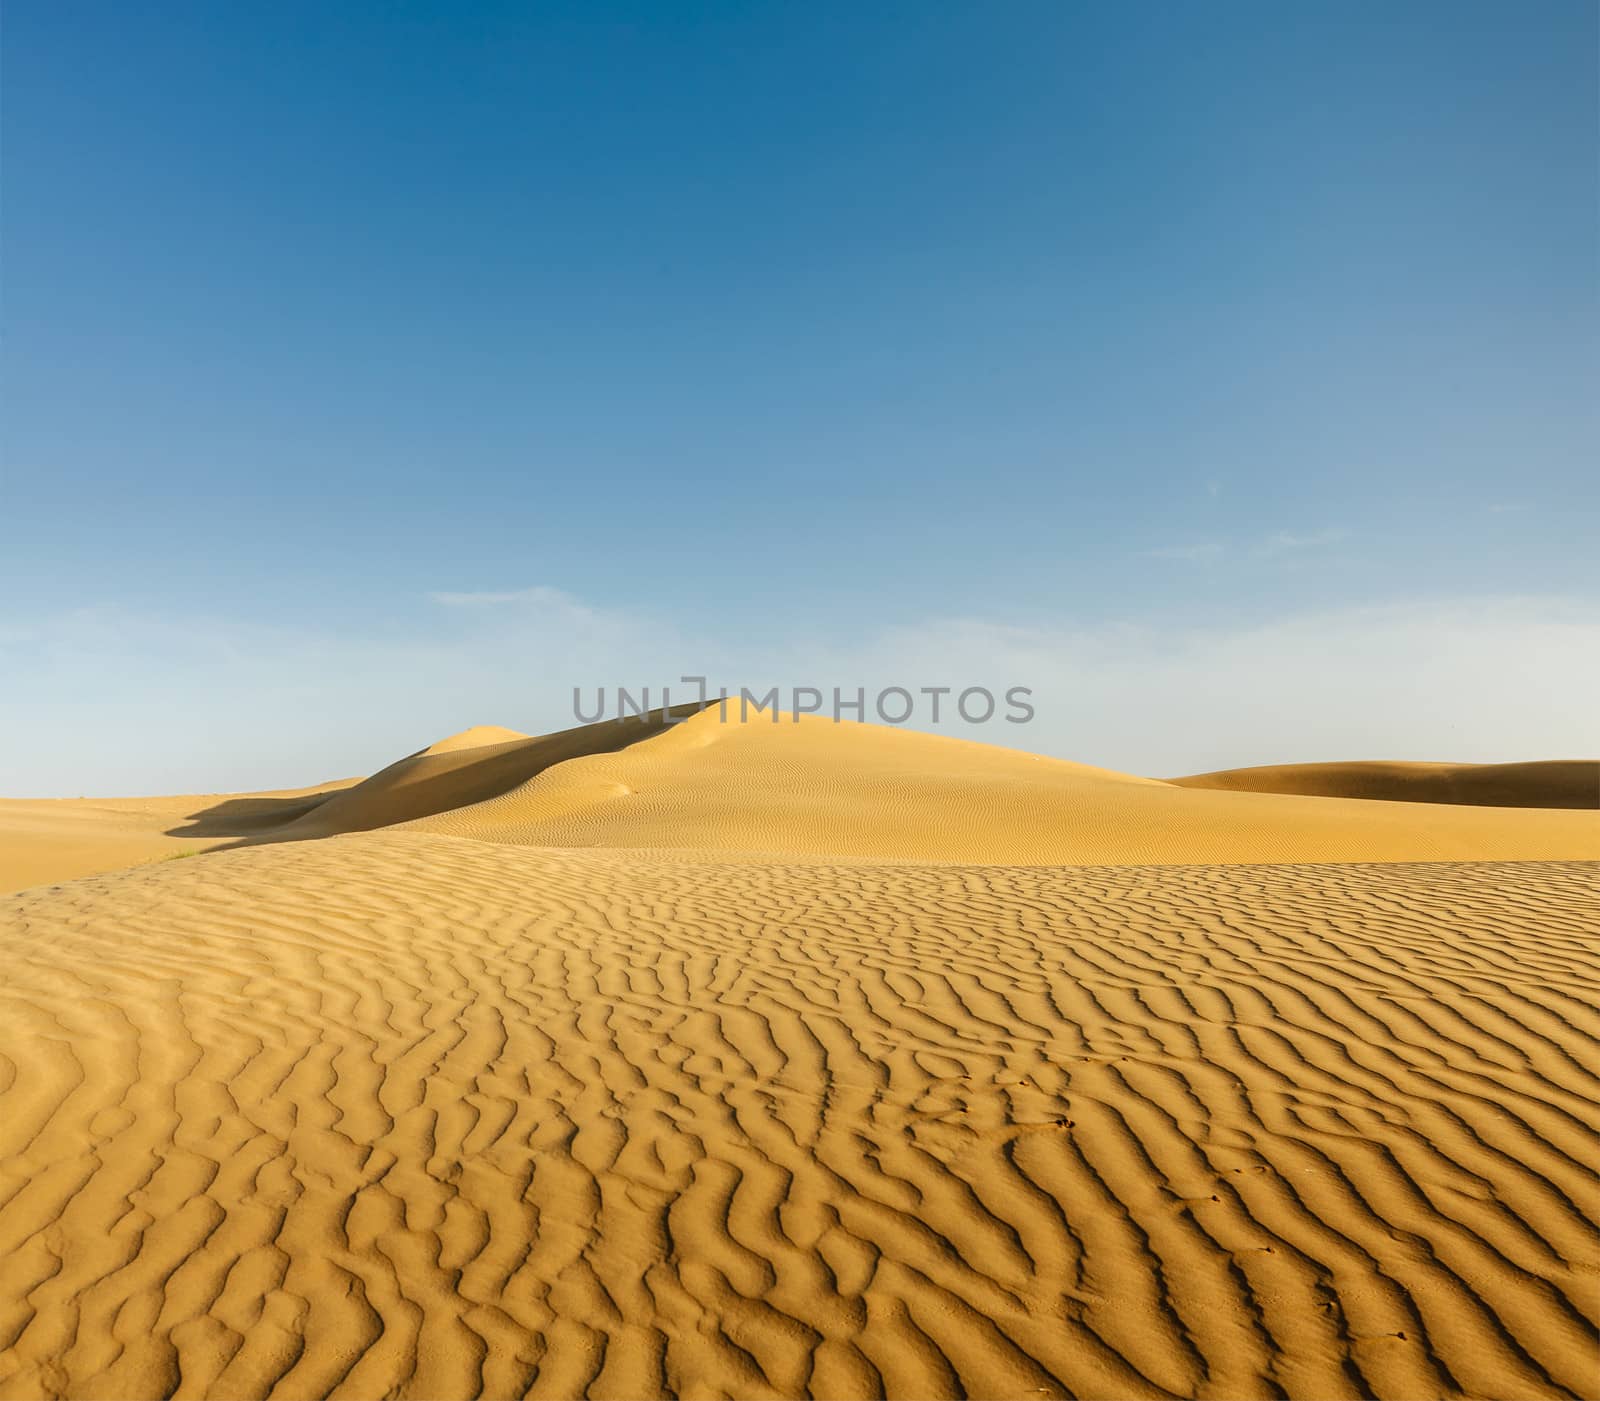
(776, 1059)
(45, 840)
(1551, 784)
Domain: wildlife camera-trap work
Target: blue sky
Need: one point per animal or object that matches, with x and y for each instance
(778, 326)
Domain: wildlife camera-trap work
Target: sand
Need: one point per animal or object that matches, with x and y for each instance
(1551, 784)
(947, 1071)
(45, 840)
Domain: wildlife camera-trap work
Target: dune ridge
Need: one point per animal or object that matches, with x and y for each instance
(460, 771)
(399, 1113)
(475, 737)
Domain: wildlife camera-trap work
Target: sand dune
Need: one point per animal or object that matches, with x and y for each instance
(460, 771)
(778, 1060)
(1560, 783)
(402, 1114)
(819, 790)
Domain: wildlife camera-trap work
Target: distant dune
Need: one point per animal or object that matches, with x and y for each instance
(782, 1060)
(1556, 783)
(476, 737)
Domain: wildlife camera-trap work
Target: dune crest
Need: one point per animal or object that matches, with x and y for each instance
(460, 772)
(474, 737)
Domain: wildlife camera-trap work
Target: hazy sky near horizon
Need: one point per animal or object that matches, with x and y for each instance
(378, 369)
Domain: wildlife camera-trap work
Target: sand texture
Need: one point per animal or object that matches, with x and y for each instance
(581, 1088)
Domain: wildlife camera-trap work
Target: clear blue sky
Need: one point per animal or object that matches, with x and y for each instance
(780, 315)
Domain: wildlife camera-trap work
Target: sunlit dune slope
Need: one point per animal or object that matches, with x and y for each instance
(817, 790)
(1556, 783)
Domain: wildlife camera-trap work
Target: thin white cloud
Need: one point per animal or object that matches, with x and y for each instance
(1193, 554)
(538, 596)
(1287, 541)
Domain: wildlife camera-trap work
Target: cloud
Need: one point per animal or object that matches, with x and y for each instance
(109, 700)
(1281, 542)
(1192, 553)
(537, 597)
(1286, 541)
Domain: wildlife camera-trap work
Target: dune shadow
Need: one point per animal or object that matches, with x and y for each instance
(420, 785)
(248, 819)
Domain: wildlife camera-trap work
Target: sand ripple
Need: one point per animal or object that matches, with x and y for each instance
(408, 1115)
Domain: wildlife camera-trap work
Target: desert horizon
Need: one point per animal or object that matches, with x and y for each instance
(48, 840)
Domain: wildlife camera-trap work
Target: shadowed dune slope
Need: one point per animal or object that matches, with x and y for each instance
(402, 1115)
(816, 790)
(464, 769)
(1557, 783)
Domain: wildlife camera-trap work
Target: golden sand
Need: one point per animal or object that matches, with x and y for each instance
(45, 840)
(803, 1060)
(1555, 783)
